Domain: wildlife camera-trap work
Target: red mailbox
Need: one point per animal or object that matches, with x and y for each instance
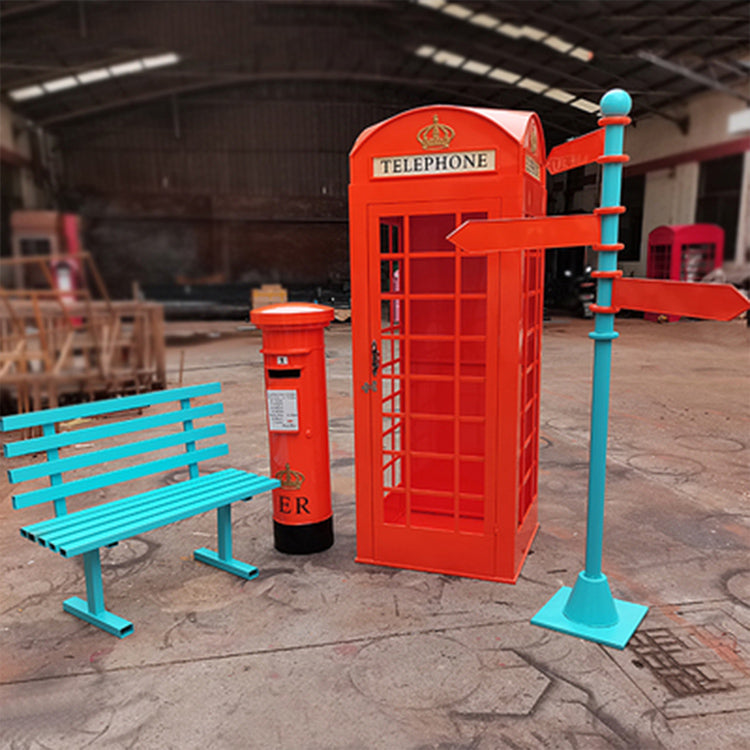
(446, 346)
(294, 360)
(685, 252)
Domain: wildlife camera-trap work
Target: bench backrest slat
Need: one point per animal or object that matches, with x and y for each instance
(108, 406)
(113, 429)
(79, 486)
(55, 478)
(58, 466)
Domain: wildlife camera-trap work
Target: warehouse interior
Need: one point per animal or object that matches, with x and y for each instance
(206, 142)
(195, 155)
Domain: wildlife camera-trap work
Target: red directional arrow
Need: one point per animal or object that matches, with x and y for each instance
(583, 150)
(694, 300)
(498, 235)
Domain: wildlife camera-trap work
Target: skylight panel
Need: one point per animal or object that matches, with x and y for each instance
(458, 11)
(159, 61)
(506, 76)
(451, 59)
(60, 84)
(559, 95)
(27, 92)
(485, 20)
(477, 67)
(126, 68)
(531, 85)
(511, 30)
(585, 105)
(95, 75)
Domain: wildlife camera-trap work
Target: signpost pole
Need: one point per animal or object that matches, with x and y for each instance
(589, 610)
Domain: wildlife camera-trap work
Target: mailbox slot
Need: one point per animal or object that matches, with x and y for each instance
(284, 374)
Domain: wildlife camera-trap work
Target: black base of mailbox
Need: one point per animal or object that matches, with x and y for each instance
(303, 539)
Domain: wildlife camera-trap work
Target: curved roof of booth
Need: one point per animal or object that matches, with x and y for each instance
(513, 123)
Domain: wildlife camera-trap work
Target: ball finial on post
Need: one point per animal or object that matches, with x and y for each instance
(616, 102)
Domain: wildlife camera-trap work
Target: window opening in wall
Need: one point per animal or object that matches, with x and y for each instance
(719, 188)
(631, 222)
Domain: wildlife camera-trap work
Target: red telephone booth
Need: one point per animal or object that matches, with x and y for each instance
(685, 252)
(446, 346)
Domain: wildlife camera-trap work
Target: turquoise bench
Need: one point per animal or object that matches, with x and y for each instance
(141, 443)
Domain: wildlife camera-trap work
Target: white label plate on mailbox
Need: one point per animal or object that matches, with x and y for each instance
(283, 413)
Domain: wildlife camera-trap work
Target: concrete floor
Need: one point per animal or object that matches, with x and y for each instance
(321, 652)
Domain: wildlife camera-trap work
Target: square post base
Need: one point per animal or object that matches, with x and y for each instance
(230, 565)
(105, 620)
(629, 616)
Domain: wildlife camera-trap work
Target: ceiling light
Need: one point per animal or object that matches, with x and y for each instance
(457, 11)
(492, 23)
(479, 68)
(159, 61)
(28, 92)
(60, 84)
(484, 20)
(126, 68)
(559, 95)
(581, 53)
(557, 44)
(474, 66)
(426, 50)
(92, 76)
(531, 85)
(531, 32)
(451, 59)
(508, 29)
(585, 105)
(506, 76)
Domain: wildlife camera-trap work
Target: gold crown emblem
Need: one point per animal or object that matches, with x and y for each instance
(436, 135)
(290, 480)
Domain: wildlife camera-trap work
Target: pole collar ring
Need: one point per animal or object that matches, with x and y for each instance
(614, 120)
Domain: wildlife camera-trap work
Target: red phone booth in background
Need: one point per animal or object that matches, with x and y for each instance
(685, 252)
(55, 238)
(446, 347)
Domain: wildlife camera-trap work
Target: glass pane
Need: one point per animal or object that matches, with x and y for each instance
(427, 233)
(432, 275)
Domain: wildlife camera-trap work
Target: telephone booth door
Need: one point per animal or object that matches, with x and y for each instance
(431, 398)
(446, 349)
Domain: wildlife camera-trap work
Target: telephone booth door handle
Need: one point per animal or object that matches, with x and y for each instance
(375, 358)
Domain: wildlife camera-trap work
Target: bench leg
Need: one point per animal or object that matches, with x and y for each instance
(223, 559)
(92, 610)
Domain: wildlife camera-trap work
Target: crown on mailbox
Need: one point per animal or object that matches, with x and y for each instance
(436, 135)
(290, 480)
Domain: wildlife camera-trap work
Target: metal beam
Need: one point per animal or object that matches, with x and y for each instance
(691, 75)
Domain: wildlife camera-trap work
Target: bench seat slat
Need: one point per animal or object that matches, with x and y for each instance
(154, 514)
(122, 427)
(68, 489)
(147, 511)
(106, 406)
(115, 453)
(160, 509)
(99, 515)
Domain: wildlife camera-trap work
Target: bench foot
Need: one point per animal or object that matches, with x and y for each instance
(105, 620)
(239, 568)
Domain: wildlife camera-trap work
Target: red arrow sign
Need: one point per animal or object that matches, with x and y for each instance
(694, 300)
(583, 150)
(502, 235)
